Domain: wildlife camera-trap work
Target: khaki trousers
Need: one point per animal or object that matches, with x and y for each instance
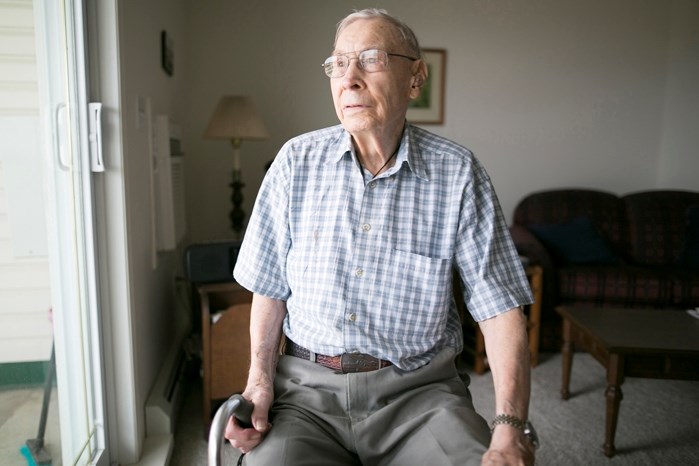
(385, 417)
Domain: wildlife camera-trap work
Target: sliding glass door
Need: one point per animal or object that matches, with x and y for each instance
(70, 165)
(48, 275)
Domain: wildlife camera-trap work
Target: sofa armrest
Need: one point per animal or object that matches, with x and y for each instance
(529, 246)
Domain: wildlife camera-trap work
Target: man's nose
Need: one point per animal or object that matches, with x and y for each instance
(353, 73)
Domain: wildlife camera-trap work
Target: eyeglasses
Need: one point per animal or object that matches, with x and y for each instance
(371, 61)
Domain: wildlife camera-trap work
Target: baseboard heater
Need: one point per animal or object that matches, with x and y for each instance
(164, 401)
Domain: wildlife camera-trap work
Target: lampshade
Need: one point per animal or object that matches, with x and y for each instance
(236, 117)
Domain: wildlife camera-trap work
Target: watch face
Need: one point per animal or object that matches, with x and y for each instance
(530, 433)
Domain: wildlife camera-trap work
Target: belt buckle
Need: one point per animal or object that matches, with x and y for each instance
(358, 362)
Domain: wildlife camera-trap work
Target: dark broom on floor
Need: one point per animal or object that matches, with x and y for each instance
(33, 450)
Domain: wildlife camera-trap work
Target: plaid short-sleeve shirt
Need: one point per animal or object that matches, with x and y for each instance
(365, 264)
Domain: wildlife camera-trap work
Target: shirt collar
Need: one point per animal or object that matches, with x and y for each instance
(344, 146)
(408, 151)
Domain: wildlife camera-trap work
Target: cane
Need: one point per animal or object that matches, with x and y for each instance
(235, 406)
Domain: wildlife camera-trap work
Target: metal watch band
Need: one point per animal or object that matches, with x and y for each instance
(525, 426)
(513, 421)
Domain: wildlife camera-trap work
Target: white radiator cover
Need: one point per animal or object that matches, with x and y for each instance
(165, 399)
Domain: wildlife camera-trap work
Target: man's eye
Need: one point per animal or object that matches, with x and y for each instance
(370, 61)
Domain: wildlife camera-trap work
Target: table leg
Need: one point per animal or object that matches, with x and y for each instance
(615, 377)
(534, 274)
(567, 359)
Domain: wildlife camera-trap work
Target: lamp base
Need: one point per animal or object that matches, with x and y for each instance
(237, 215)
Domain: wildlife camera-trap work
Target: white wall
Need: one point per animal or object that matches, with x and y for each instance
(547, 94)
(147, 325)
(678, 164)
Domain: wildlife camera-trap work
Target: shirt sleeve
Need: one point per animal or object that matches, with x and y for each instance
(261, 264)
(487, 261)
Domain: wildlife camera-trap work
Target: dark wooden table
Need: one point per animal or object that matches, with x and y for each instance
(661, 344)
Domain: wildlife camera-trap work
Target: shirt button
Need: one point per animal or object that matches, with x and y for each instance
(359, 272)
(352, 317)
(366, 227)
(372, 185)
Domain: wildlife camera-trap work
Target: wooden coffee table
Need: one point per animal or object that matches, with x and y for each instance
(660, 344)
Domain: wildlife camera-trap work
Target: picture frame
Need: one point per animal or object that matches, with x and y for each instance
(428, 108)
(167, 53)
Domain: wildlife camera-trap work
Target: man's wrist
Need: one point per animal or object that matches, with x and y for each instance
(525, 427)
(259, 376)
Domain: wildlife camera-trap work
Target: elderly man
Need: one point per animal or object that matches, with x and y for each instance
(350, 251)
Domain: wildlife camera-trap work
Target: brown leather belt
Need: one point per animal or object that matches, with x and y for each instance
(343, 364)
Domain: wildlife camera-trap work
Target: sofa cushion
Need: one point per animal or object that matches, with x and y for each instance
(658, 225)
(690, 253)
(604, 210)
(686, 288)
(575, 242)
(625, 286)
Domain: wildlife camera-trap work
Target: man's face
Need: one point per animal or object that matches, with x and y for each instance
(372, 102)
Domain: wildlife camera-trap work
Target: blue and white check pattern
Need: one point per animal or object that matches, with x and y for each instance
(365, 264)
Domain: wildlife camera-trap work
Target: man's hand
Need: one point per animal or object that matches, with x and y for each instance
(266, 316)
(247, 439)
(509, 447)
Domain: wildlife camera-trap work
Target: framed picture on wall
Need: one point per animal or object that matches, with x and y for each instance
(167, 54)
(428, 108)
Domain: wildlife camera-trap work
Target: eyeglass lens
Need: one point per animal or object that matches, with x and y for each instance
(370, 61)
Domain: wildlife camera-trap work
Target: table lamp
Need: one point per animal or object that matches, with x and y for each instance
(236, 118)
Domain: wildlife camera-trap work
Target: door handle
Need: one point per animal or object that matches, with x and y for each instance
(95, 136)
(61, 137)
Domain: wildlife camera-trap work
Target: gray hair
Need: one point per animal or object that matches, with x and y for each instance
(404, 32)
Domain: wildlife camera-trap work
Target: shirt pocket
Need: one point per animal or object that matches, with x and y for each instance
(414, 299)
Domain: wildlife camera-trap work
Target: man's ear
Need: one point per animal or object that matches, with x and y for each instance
(418, 79)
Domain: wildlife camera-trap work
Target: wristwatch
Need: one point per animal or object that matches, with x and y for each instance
(525, 426)
(531, 434)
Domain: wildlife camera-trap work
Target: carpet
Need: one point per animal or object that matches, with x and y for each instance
(657, 424)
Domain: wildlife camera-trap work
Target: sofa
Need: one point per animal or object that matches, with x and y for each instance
(639, 250)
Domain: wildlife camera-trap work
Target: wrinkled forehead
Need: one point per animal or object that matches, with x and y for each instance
(362, 34)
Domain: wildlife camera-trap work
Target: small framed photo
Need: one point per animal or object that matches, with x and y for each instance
(428, 108)
(167, 54)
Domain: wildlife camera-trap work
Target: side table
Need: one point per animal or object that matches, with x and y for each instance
(225, 327)
(532, 311)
